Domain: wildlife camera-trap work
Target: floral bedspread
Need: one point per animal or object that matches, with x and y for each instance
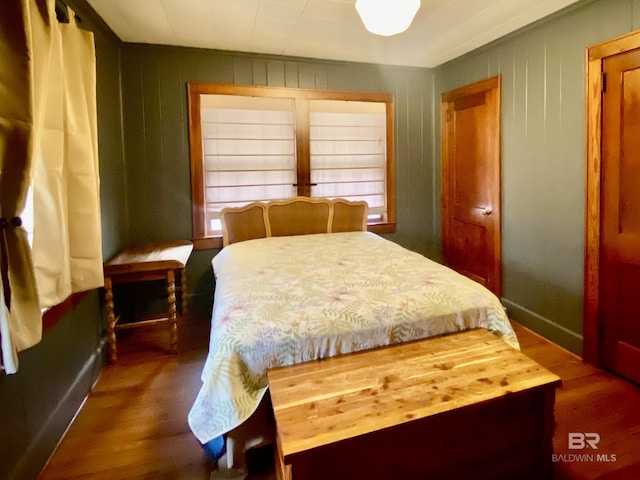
(285, 300)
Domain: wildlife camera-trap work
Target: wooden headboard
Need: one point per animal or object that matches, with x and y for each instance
(295, 216)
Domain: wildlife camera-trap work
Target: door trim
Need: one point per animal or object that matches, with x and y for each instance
(492, 83)
(596, 55)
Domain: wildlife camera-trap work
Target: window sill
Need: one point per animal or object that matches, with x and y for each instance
(53, 314)
(207, 243)
(380, 228)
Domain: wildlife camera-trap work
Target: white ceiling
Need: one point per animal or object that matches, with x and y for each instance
(327, 29)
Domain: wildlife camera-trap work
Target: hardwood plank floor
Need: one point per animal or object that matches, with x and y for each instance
(134, 423)
(589, 401)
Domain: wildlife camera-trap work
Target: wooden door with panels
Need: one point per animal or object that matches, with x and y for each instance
(612, 322)
(470, 187)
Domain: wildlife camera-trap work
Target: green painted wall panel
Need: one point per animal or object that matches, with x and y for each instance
(242, 70)
(259, 72)
(136, 161)
(110, 147)
(207, 68)
(275, 73)
(225, 69)
(321, 78)
(154, 154)
(307, 76)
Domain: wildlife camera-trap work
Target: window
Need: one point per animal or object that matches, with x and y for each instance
(260, 143)
(248, 150)
(348, 152)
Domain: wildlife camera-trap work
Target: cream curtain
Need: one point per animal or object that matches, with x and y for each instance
(48, 142)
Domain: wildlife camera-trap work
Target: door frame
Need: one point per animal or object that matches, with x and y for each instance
(596, 54)
(492, 83)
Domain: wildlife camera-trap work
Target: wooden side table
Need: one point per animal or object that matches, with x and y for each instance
(145, 262)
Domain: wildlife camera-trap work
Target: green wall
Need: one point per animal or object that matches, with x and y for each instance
(38, 403)
(543, 157)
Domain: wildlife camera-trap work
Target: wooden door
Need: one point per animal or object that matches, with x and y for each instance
(620, 215)
(470, 159)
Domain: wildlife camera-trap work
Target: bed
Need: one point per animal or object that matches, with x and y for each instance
(302, 279)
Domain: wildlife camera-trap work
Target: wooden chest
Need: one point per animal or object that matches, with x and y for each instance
(460, 406)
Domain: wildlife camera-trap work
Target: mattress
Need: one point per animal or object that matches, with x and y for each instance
(285, 300)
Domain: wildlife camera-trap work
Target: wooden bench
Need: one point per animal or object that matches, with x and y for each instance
(461, 406)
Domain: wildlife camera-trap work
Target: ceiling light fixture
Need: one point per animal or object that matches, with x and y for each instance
(387, 17)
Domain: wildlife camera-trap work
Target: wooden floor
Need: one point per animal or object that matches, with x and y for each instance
(133, 425)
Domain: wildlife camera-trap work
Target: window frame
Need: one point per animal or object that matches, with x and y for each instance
(195, 89)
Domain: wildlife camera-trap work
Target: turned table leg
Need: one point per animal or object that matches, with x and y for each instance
(183, 290)
(111, 320)
(171, 298)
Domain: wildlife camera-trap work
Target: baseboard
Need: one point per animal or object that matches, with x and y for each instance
(564, 337)
(53, 429)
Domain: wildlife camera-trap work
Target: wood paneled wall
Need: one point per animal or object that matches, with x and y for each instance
(543, 157)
